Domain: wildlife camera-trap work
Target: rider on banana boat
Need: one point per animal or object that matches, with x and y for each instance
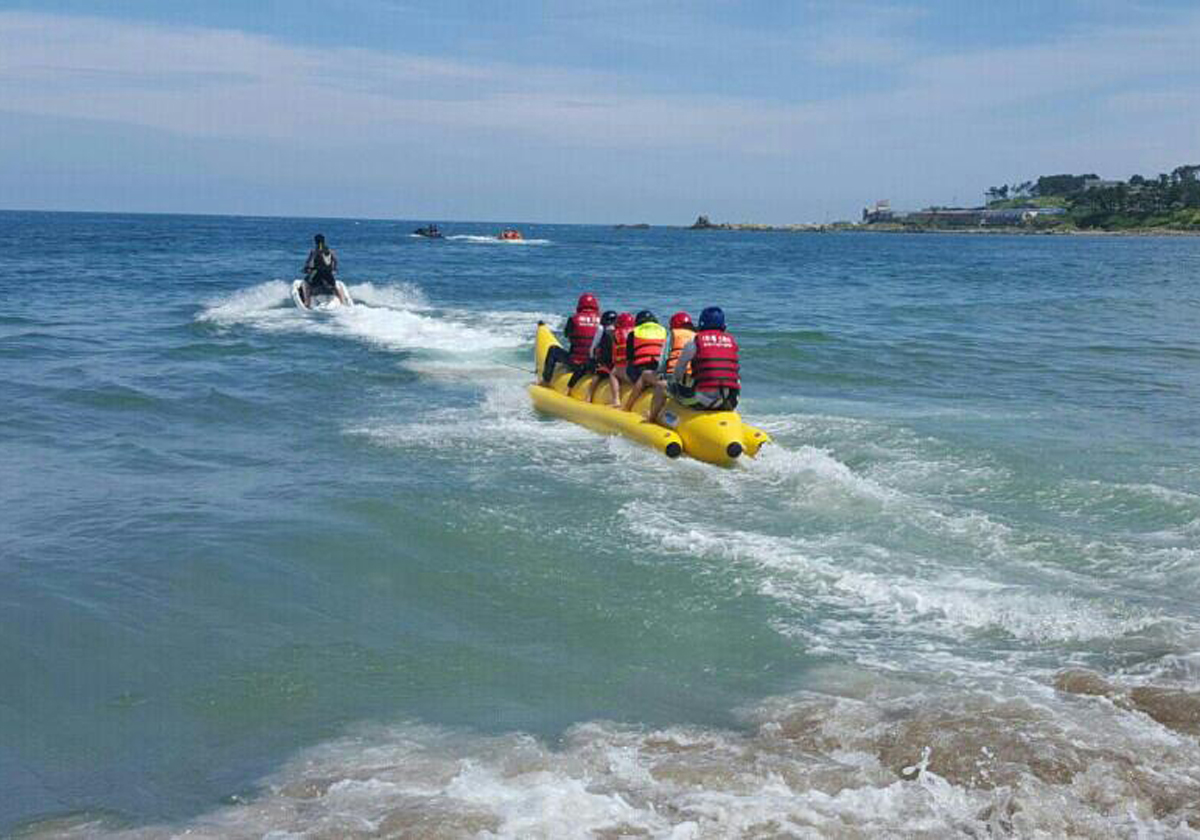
(681, 333)
(580, 329)
(644, 350)
(602, 358)
(610, 359)
(707, 372)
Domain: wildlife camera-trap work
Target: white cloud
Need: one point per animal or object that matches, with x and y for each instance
(948, 113)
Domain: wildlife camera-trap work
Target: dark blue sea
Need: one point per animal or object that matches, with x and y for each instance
(269, 573)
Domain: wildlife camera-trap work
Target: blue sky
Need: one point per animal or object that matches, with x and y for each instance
(600, 112)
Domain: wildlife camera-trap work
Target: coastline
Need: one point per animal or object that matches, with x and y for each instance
(991, 230)
(1018, 231)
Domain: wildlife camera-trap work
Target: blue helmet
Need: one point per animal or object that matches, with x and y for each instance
(712, 318)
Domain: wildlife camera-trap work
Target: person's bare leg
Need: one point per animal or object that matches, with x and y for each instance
(659, 401)
(337, 287)
(647, 378)
(614, 386)
(634, 393)
(622, 379)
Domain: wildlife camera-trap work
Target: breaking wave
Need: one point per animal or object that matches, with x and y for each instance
(869, 758)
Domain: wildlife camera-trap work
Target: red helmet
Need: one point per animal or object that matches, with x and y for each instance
(625, 320)
(587, 303)
(681, 319)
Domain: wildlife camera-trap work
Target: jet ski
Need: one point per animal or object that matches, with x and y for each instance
(321, 303)
(429, 232)
(510, 235)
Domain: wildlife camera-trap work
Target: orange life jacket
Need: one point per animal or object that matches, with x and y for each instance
(679, 339)
(648, 341)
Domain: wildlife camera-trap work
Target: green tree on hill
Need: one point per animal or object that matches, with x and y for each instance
(1168, 200)
(1172, 200)
(1063, 185)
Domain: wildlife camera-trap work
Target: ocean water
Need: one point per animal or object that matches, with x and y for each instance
(269, 573)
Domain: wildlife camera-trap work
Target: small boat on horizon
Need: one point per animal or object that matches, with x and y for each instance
(430, 231)
(510, 235)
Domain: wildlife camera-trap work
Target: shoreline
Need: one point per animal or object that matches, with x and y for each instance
(984, 231)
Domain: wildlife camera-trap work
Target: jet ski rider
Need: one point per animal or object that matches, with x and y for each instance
(319, 270)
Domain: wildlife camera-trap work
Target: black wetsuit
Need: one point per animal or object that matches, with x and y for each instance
(602, 349)
(319, 271)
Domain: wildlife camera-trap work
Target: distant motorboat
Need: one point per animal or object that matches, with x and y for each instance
(510, 235)
(429, 232)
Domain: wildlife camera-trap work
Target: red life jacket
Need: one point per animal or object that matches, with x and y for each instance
(715, 364)
(648, 341)
(583, 330)
(680, 336)
(620, 340)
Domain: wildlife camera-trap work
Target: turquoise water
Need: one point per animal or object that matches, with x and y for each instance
(266, 570)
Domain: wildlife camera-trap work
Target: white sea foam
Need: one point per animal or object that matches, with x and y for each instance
(392, 296)
(495, 240)
(810, 468)
(921, 610)
(917, 763)
(236, 306)
(502, 425)
(394, 317)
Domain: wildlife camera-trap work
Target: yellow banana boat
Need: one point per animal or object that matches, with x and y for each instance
(718, 437)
